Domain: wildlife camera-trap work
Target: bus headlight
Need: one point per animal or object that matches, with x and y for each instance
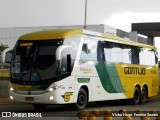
(11, 89)
(11, 97)
(50, 89)
(51, 98)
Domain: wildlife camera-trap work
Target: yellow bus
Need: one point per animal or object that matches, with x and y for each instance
(77, 66)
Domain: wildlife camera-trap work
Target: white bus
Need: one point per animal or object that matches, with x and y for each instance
(76, 66)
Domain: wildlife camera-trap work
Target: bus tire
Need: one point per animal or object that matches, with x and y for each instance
(143, 97)
(40, 107)
(82, 100)
(136, 96)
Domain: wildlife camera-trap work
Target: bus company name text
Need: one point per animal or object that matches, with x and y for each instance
(134, 70)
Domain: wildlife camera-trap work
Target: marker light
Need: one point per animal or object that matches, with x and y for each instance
(58, 86)
(11, 97)
(51, 98)
(55, 87)
(50, 89)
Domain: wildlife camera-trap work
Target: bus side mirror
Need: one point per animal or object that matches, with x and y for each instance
(63, 55)
(68, 63)
(3, 54)
(60, 50)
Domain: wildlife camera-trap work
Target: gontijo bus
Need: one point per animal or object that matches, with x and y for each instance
(79, 66)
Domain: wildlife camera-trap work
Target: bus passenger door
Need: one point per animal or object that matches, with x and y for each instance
(67, 89)
(66, 83)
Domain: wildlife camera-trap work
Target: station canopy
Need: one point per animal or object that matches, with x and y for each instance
(147, 29)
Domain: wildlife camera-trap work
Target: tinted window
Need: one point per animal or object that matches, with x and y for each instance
(111, 52)
(116, 52)
(134, 53)
(127, 54)
(74, 42)
(89, 50)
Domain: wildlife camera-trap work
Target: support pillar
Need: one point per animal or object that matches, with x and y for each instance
(133, 35)
(150, 40)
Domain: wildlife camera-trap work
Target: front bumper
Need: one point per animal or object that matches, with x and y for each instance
(39, 97)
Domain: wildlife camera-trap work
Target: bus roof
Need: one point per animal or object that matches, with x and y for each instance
(63, 33)
(51, 34)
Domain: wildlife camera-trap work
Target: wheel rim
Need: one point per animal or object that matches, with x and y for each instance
(136, 98)
(143, 95)
(81, 99)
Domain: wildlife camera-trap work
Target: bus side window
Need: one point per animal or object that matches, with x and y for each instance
(156, 56)
(126, 54)
(149, 57)
(116, 52)
(66, 63)
(84, 53)
(100, 51)
(113, 52)
(134, 53)
(89, 50)
(141, 57)
(85, 48)
(107, 51)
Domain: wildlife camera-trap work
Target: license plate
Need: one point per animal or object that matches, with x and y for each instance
(29, 98)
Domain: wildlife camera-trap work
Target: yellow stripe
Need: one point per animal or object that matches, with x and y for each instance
(20, 87)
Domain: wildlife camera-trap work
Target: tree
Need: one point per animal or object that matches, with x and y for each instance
(3, 47)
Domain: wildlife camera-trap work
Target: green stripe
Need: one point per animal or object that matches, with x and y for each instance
(109, 77)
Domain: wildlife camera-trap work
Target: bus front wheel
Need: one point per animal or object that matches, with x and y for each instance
(136, 96)
(81, 100)
(40, 107)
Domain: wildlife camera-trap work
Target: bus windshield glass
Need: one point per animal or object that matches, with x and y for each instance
(34, 61)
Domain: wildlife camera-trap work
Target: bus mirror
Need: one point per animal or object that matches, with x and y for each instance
(59, 51)
(69, 68)
(65, 63)
(3, 54)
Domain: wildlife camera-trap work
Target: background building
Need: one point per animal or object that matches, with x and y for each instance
(9, 36)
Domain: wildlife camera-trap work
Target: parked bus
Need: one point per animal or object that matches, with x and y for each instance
(76, 66)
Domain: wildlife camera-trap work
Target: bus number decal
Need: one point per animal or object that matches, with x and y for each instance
(153, 71)
(66, 96)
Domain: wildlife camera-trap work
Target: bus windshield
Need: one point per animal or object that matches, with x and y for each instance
(34, 61)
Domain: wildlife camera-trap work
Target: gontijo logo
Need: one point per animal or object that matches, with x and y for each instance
(134, 70)
(67, 96)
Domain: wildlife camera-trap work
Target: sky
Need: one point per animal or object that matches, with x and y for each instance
(116, 13)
